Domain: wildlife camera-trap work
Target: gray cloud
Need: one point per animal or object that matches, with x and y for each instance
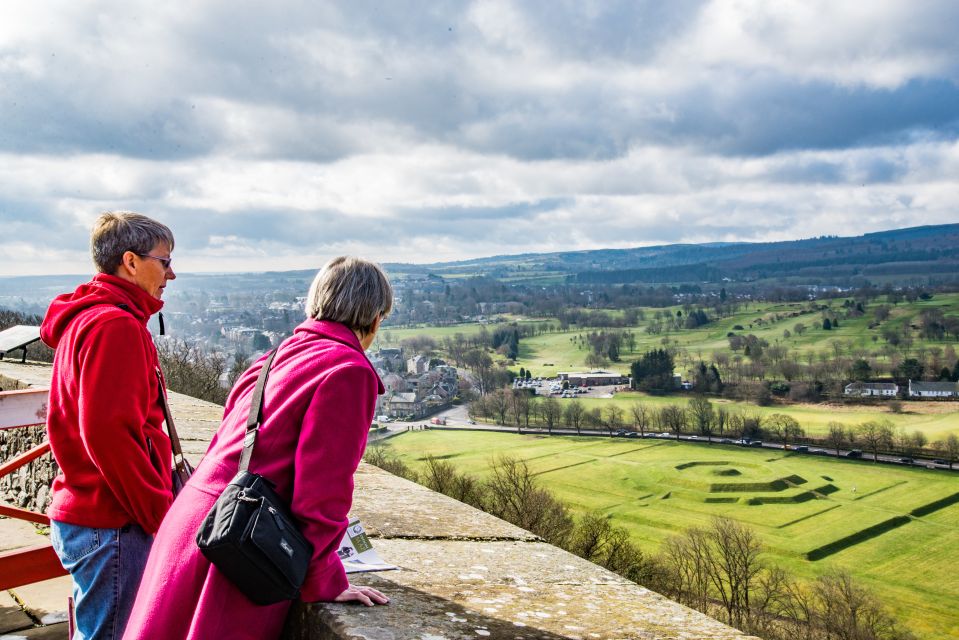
(275, 134)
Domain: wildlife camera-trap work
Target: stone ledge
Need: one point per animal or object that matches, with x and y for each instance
(463, 573)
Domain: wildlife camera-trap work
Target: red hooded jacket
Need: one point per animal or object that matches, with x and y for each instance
(104, 420)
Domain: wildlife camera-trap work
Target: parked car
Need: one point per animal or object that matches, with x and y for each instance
(854, 453)
(940, 461)
(906, 460)
(801, 449)
(632, 434)
(755, 443)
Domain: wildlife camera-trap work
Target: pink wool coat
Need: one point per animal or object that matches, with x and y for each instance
(318, 405)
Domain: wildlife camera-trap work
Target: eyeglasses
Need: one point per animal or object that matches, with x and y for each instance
(164, 261)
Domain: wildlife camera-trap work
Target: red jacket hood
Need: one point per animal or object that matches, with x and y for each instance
(103, 289)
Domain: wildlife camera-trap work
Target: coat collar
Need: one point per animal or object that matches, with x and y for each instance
(342, 334)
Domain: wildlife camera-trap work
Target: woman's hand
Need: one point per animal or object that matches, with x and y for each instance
(365, 595)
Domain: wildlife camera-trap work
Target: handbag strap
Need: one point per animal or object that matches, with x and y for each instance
(256, 413)
(168, 418)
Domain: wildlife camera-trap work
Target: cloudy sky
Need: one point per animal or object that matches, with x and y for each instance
(275, 135)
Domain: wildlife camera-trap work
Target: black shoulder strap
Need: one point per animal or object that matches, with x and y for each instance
(178, 460)
(256, 414)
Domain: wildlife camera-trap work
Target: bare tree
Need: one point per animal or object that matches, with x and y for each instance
(614, 417)
(847, 611)
(191, 370)
(672, 418)
(836, 436)
(642, 416)
(551, 411)
(574, 414)
(513, 495)
(784, 427)
(733, 567)
(500, 402)
(702, 415)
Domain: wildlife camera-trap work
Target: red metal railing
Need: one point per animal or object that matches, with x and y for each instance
(22, 566)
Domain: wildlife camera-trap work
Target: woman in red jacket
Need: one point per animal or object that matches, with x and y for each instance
(318, 405)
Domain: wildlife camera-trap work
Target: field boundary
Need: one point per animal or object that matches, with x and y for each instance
(863, 535)
(881, 489)
(808, 516)
(935, 505)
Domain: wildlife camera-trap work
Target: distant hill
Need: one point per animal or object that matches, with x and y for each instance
(913, 256)
(917, 255)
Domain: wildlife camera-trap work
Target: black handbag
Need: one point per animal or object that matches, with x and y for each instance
(250, 534)
(182, 469)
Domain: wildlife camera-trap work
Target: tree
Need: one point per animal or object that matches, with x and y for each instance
(784, 427)
(551, 411)
(826, 324)
(513, 495)
(241, 362)
(917, 441)
(952, 449)
(860, 370)
(909, 369)
(614, 417)
(846, 610)
(653, 371)
(520, 407)
(261, 342)
(191, 370)
(642, 416)
(876, 435)
(836, 436)
(672, 419)
(702, 416)
(574, 414)
(500, 402)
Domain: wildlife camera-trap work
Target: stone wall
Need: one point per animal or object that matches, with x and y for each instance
(462, 573)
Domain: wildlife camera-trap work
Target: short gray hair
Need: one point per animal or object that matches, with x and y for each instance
(116, 232)
(352, 291)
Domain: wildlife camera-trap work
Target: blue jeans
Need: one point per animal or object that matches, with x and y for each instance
(106, 566)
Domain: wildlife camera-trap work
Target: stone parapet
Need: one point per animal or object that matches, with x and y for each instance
(465, 574)
(462, 573)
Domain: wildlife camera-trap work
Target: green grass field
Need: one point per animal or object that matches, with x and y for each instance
(547, 354)
(935, 419)
(796, 503)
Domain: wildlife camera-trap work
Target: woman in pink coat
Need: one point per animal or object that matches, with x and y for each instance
(318, 404)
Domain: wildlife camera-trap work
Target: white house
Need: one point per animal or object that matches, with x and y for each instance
(933, 389)
(872, 389)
